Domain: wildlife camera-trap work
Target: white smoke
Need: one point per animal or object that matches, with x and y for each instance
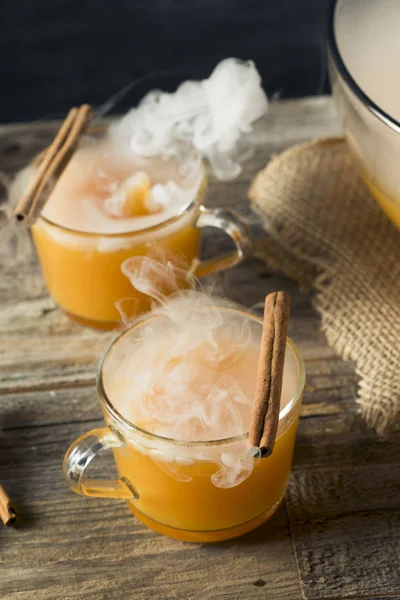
(212, 116)
(189, 373)
(156, 278)
(165, 139)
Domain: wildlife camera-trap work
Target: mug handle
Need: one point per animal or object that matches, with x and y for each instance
(233, 225)
(81, 453)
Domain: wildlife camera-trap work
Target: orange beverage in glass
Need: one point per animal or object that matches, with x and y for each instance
(177, 414)
(110, 205)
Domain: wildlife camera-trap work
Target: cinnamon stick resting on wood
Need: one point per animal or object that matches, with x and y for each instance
(56, 159)
(266, 406)
(7, 511)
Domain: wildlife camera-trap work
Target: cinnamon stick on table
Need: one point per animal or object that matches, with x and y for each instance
(7, 511)
(56, 159)
(266, 406)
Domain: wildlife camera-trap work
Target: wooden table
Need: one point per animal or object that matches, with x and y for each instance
(337, 535)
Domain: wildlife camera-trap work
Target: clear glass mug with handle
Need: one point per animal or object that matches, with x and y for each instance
(170, 484)
(83, 270)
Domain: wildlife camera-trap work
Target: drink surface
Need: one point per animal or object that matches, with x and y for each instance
(367, 34)
(192, 375)
(108, 189)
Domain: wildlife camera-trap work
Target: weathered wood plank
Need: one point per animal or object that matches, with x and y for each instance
(349, 546)
(344, 506)
(72, 547)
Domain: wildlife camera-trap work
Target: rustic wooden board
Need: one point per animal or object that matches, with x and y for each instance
(340, 535)
(344, 507)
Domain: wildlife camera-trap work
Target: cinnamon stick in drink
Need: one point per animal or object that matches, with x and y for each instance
(7, 511)
(266, 406)
(56, 159)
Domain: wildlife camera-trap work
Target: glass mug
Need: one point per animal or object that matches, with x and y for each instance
(372, 134)
(83, 270)
(166, 482)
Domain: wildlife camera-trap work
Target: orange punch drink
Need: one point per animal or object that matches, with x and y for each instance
(110, 205)
(176, 392)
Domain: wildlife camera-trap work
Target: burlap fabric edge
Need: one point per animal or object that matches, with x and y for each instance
(326, 232)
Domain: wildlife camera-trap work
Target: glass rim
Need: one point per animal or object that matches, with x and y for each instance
(196, 202)
(338, 60)
(110, 408)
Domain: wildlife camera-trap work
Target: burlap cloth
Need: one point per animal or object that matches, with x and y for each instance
(326, 231)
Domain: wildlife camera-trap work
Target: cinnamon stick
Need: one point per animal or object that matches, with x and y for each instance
(7, 511)
(266, 406)
(56, 159)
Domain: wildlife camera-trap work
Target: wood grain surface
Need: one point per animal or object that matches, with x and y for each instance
(337, 536)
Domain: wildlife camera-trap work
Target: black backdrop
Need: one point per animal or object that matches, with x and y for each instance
(58, 53)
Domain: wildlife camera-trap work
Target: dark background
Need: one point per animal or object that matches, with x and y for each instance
(59, 53)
